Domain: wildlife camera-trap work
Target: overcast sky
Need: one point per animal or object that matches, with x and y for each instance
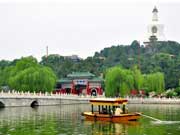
(79, 26)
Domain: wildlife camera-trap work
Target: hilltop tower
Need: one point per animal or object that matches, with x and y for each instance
(155, 29)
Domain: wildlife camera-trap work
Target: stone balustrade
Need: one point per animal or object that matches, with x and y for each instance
(154, 100)
(18, 94)
(16, 98)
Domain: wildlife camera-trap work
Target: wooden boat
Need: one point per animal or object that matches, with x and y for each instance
(107, 110)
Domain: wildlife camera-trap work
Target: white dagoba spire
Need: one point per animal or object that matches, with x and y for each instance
(155, 29)
(155, 14)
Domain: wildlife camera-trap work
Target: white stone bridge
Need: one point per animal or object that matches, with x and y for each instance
(38, 99)
(35, 99)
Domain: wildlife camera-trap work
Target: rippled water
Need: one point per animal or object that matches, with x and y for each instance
(66, 120)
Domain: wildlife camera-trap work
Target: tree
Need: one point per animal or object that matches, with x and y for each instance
(5, 75)
(118, 81)
(28, 75)
(138, 78)
(4, 63)
(161, 57)
(154, 82)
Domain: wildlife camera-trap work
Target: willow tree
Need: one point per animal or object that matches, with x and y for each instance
(1, 73)
(118, 81)
(28, 75)
(5, 75)
(154, 82)
(138, 78)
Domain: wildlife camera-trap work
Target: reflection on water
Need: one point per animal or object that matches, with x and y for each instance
(98, 127)
(66, 119)
(42, 120)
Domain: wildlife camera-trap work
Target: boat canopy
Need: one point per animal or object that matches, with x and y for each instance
(108, 101)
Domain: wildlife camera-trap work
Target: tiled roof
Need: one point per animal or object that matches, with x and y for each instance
(80, 74)
(67, 80)
(96, 79)
(64, 80)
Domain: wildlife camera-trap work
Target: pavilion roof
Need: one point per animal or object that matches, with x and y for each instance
(64, 80)
(80, 75)
(96, 79)
(68, 80)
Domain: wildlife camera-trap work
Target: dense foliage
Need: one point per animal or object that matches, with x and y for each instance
(154, 82)
(28, 75)
(157, 57)
(119, 81)
(161, 57)
(138, 78)
(63, 65)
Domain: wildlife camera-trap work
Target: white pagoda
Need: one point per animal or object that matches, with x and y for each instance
(155, 29)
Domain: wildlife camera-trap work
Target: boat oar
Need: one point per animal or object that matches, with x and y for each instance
(150, 117)
(158, 121)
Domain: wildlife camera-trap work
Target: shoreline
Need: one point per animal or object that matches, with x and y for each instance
(153, 100)
(27, 99)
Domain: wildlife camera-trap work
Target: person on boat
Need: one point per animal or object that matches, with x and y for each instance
(104, 111)
(124, 109)
(118, 111)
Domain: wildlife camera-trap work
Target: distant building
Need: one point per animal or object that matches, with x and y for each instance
(155, 29)
(74, 58)
(80, 83)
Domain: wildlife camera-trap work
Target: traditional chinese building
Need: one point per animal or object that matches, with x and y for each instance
(80, 83)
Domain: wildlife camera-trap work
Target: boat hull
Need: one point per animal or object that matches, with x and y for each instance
(112, 118)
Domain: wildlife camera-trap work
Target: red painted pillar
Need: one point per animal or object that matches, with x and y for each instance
(87, 88)
(72, 87)
(98, 90)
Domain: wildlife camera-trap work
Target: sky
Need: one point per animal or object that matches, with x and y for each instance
(79, 27)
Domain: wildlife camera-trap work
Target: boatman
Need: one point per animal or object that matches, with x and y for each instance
(118, 111)
(124, 108)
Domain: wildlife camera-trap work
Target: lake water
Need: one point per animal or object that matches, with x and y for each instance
(66, 120)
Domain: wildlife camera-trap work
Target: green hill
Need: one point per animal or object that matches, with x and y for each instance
(156, 57)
